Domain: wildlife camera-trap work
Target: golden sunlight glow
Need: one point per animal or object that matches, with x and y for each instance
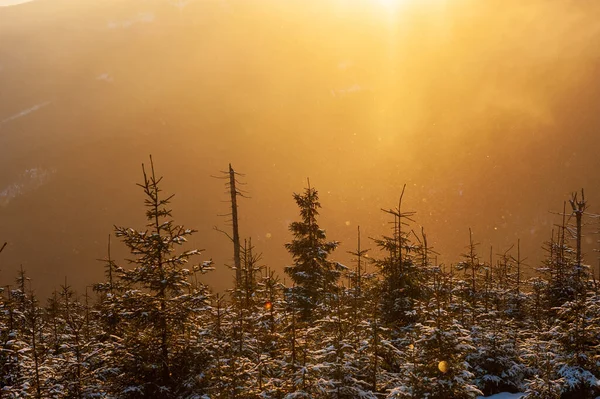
(394, 4)
(390, 3)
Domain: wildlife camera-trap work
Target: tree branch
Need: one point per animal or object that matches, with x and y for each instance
(224, 232)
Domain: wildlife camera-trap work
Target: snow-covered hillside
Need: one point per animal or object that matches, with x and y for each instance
(8, 3)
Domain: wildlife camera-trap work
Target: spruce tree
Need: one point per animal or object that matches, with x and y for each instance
(270, 336)
(441, 345)
(402, 276)
(315, 277)
(157, 303)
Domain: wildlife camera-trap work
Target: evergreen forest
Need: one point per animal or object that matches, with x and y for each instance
(392, 324)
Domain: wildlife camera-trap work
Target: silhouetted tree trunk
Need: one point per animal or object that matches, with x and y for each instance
(579, 207)
(234, 220)
(234, 192)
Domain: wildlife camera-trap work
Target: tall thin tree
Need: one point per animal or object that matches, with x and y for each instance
(314, 275)
(234, 192)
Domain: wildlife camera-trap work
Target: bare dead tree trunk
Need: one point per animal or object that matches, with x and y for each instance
(234, 192)
(234, 219)
(578, 207)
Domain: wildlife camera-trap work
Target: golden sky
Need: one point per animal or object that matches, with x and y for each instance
(487, 110)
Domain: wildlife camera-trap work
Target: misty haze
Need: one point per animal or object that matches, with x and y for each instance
(481, 116)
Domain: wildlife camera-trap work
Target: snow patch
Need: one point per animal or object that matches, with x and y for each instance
(143, 17)
(355, 88)
(181, 4)
(105, 77)
(344, 65)
(8, 3)
(27, 181)
(503, 395)
(25, 112)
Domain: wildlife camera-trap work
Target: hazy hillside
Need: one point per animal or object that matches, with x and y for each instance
(486, 111)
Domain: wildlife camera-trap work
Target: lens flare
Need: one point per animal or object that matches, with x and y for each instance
(443, 366)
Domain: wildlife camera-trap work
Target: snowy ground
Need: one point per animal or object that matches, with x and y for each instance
(504, 395)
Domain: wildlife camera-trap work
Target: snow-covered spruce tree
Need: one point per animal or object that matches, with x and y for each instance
(481, 303)
(270, 324)
(74, 358)
(295, 351)
(334, 367)
(310, 352)
(402, 276)
(495, 361)
(561, 267)
(251, 271)
(218, 345)
(516, 298)
(52, 310)
(39, 373)
(575, 327)
(401, 289)
(315, 277)
(359, 284)
(535, 305)
(436, 354)
(537, 350)
(109, 294)
(577, 332)
(155, 357)
(362, 342)
(14, 379)
(55, 343)
(243, 337)
(244, 367)
(471, 267)
(563, 317)
(107, 327)
(35, 367)
(541, 354)
(4, 330)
